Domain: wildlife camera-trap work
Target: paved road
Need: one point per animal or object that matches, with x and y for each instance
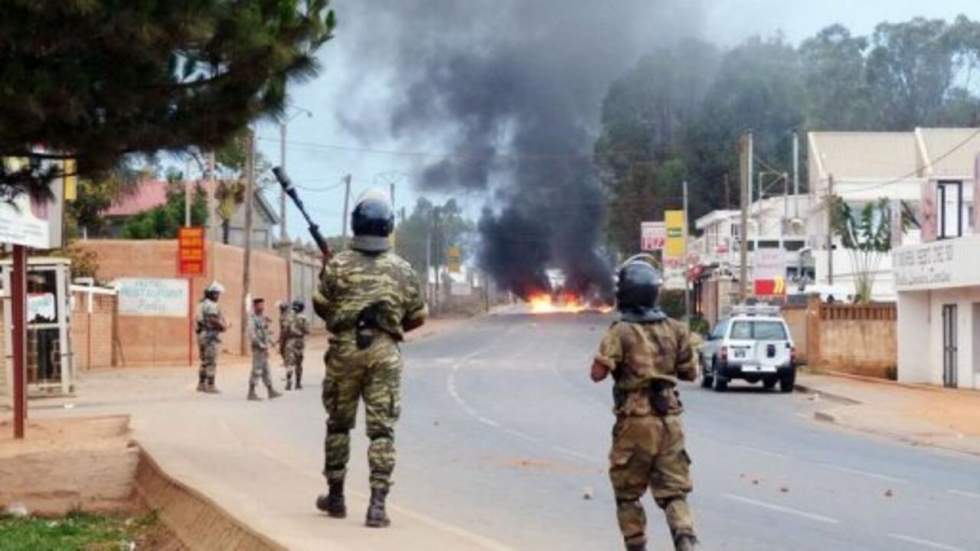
(503, 434)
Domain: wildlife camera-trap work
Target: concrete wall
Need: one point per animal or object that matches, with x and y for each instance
(913, 353)
(148, 340)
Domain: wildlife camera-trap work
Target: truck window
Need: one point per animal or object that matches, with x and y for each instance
(758, 330)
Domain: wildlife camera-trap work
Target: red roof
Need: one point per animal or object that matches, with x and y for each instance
(145, 196)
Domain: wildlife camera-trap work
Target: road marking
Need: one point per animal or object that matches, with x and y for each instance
(781, 509)
(762, 451)
(486, 421)
(865, 473)
(925, 543)
(451, 388)
(964, 493)
(522, 435)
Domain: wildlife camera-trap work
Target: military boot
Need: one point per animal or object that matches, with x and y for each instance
(202, 384)
(289, 382)
(332, 503)
(686, 542)
(636, 547)
(211, 389)
(252, 395)
(272, 392)
(376, 515)
(299, 378)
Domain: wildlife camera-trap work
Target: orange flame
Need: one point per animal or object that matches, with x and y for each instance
(543, 303)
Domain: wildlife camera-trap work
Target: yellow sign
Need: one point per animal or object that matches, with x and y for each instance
(454, 259)
(675, 233)
(71, 180)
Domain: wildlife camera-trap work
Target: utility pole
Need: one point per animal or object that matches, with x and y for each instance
(392, 196)
(745, 178)
(247, 268)
(687, 283)
(428, 260)
(830, 230)
(212, 207)
(344, 223)
(728, 192)
(796, 174)
(283, 235)
(188, 189)
(18, 336)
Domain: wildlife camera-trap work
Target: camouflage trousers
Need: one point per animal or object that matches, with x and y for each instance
(292, 359)
(260, 368)
(648, 452)
(373, 375)
(208, 353)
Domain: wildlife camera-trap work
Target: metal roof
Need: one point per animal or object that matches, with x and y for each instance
(864, 155)
(949, 152)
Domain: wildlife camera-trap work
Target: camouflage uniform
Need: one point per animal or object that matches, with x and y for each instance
(210, 324)
(351, 282)
(293, 337)
(258, 326)
(646, 360)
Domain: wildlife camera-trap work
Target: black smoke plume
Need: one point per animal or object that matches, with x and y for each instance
(515, 88)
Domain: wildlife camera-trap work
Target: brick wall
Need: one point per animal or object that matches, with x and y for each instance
(93, 334)
(148, 340)
(852, 338)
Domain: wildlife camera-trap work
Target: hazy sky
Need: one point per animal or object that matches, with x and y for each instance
(320, 150)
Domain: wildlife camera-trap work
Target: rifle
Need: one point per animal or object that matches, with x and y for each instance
(287, 187)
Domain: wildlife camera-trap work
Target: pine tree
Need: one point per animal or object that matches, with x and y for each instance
(100, 79)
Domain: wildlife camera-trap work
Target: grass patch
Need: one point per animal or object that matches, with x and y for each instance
(77, 531)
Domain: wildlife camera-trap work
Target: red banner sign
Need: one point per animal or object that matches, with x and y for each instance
(190, 251)
(770, 287)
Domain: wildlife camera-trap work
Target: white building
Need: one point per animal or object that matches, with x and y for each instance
(938, 287)
(860, 167)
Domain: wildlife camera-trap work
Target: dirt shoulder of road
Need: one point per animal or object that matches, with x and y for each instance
(920, 415)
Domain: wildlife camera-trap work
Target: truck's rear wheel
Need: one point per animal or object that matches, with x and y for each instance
(787, 382)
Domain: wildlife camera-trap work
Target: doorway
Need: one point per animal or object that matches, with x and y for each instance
(950, 348)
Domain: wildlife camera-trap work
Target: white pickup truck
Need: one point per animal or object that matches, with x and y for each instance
(754, 345)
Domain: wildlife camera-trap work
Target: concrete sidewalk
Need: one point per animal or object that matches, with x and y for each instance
(920, 415)
(219, 446)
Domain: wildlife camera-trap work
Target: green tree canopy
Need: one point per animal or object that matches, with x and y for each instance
(444, 225)
(99, 79)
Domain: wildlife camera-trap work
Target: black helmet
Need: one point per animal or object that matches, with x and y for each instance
(372, 221)
(637, 291)
(298, 305)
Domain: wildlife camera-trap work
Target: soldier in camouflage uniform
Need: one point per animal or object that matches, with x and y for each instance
(369, 297)
(647, 353)
(258, 332)
(293, 338)
(210, 324)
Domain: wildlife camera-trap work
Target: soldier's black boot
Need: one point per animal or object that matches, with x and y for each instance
(211, 389)
(252, 396)
(636, 547)
(686, 542)
(272, 392)
(332, 503)
(376, 515)
(289, 382)
(202, 383)
(299, 378)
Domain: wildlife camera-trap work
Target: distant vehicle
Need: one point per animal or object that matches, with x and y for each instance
(754, 345)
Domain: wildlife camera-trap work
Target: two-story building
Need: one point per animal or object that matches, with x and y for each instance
(927, 172)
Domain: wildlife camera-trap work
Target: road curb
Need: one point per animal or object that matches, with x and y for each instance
(807, 389)
(824, 416)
